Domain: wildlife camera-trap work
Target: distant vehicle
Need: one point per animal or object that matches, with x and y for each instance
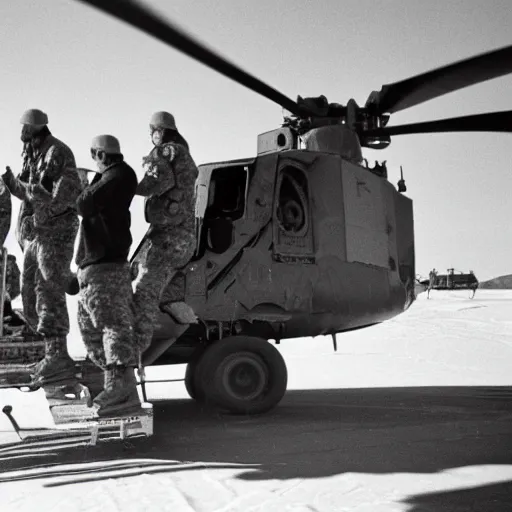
(453, 280)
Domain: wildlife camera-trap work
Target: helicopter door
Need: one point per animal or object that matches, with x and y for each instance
(293, 231)
(221, 194)
(365, 218)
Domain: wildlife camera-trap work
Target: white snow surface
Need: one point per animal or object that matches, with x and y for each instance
(414, 414)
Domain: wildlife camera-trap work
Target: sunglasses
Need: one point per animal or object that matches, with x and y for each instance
(94, 152)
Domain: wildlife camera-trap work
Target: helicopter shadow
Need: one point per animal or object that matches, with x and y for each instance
(312, 434)
(494, 497)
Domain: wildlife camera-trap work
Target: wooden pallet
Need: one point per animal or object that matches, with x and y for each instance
(78, 416)
(75, 416)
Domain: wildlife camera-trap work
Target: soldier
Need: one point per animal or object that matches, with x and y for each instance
(12, 278)
(5, 224)
(432, 276)
(169, 188)
(48, 187)
(105, 314)
(5, 212)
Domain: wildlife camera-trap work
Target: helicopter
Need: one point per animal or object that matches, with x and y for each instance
(303, 239)
(452, 280)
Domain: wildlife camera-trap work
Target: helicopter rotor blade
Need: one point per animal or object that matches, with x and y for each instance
(142, 18)
(427, 86)
(491, 122)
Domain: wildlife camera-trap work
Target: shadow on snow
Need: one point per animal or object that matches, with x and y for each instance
(312, 434)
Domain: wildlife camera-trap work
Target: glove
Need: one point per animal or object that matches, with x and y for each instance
(8, 173)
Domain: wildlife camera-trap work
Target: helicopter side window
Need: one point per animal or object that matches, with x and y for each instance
(292, 206)
(226, 198)
(226, 203)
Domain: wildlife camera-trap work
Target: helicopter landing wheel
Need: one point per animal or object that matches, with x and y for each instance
(243, 374)
(194, 393)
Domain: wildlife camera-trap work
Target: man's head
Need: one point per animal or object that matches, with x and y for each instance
(159, 124)
(33, 121)
(105, 150)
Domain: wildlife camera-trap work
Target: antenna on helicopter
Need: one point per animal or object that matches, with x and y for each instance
(401, 182)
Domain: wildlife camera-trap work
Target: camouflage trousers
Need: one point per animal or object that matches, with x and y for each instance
(46, 271)
(105, 314)
(164, 252)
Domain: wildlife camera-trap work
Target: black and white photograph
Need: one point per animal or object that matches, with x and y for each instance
(256, 256)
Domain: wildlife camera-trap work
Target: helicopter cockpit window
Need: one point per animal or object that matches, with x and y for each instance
(292, 206)
(226, 197)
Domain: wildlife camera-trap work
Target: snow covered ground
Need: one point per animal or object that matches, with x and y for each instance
(412, 415)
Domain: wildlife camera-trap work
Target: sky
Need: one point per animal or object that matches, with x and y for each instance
(93, 74)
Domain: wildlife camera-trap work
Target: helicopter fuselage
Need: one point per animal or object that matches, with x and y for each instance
(298, 243)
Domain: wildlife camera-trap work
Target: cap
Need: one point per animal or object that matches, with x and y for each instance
(34, 117)
(107, 143)
(163, 120)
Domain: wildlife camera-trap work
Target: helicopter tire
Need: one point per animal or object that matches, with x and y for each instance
(241, 374)
(190, 385)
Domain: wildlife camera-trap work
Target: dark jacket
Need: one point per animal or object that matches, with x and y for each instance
(105, 210)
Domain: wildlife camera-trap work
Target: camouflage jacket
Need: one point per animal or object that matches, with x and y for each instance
(53, 167)
(5, 212)
(169, 186)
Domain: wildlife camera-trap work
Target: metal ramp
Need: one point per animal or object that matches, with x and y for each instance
(77, 418)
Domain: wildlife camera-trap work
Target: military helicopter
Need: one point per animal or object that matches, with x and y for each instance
(303, 239)
(452, 280)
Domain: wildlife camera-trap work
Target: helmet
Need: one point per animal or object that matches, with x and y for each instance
(163, 120)
(107, 143)
(34, 117)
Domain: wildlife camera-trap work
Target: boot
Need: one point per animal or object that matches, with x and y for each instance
(92, 377)
(16, 320)
(181, 312)
(57, 365)
(12, 321)
(119, 395)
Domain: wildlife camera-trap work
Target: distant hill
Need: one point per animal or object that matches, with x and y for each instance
(498, 283)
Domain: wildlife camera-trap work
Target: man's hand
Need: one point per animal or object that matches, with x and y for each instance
(38, 192)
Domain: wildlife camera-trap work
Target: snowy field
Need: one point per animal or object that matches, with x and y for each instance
(412, 415)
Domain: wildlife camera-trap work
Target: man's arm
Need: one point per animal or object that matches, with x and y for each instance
(101, 194)
(59, 170)
(157, 179)
(15, 186)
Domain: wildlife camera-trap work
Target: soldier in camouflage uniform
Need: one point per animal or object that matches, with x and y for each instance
(5, 212)
(12, 278)
(169, 188)
(24, 233)
(105, 314)
(432, 276)
(48, 186)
